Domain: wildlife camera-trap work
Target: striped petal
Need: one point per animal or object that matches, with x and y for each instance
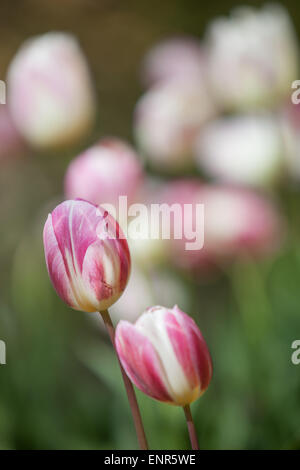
(57, 268)
(196, 360)
(141, 361)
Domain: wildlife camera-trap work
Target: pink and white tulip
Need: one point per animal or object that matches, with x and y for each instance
(178, 57)
(50, 92)
(253, 57)
(167, 120)
(87, 255)
(105, 171)
(165, 355)
(246, 149)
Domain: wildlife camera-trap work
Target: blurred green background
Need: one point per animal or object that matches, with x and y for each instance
(61, 387)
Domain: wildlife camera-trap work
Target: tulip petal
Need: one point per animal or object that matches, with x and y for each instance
(199, 353)
(75, 225)
(141, 361)
(182, 348)
(101, 273)
(56, 265)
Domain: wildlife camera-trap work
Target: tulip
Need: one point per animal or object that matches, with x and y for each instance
(236, 220)
(167, 120)
(88, 262)
(253, 57)
(245, 149)
(180, 57)
(239, 220)
(104, 172)
(87, 255)
(165, 355)
(50, 93)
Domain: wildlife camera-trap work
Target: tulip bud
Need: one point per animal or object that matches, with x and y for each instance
(165, 355)
(167, 120)
(50, 92)
(180, 57)
(104, 172)
(245, 149)
(87, 255)
(253, 57)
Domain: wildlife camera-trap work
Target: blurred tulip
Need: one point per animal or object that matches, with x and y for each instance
(50, 93)
(87, 255)
(236, 220)
(11, 143)
(104, 172)
(165, 355)
(179, 57)
(253, 57)
(168, 118)
(245, 149)
(239, 220)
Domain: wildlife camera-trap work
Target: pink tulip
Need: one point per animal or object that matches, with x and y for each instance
(104, 172)
(165, 355)
(50, 92)
(87, 255)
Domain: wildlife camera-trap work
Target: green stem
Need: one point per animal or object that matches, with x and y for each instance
(128, 386)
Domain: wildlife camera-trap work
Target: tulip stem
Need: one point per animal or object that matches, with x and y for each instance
(128, 386)
(191, 427)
